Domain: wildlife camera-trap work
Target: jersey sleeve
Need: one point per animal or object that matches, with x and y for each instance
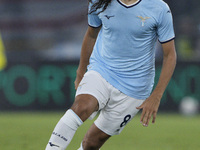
(93, 18)
(165, 29)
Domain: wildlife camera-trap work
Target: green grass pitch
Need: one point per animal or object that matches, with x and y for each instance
(31, 131)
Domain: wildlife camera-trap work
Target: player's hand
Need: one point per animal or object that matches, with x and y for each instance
(78, 80)
(149, 108)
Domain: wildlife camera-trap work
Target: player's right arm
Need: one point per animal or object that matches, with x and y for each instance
(86, 50)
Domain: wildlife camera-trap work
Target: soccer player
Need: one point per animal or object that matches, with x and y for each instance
(118, 52)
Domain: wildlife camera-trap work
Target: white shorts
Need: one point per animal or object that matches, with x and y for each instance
(116, 108)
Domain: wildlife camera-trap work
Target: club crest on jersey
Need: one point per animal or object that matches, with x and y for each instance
(143, 19)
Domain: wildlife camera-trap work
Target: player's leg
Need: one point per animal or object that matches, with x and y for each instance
(119, 110)
(91, 95)
(94, 138)
(65, 129)
(85, 105)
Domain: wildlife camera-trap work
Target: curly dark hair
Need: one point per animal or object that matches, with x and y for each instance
(99, 4)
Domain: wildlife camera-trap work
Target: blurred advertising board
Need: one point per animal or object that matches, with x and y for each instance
(37, 86)
(49, 85)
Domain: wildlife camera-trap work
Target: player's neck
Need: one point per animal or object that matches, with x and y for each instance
(129, 2)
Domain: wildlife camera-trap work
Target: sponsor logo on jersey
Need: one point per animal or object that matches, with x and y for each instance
(108, 17)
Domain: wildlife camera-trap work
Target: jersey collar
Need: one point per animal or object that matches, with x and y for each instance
(128, 6)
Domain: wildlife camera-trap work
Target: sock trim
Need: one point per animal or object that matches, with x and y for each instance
(71, 119)
(76, 116)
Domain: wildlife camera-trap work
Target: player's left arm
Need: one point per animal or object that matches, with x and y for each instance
(151, 104)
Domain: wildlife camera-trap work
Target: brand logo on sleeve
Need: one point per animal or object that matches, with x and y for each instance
(168, 11)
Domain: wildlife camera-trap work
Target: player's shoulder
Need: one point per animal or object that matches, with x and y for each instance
(93, 1)
(160, 4)
(156, 6)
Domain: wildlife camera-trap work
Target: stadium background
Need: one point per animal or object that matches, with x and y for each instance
(42, 40)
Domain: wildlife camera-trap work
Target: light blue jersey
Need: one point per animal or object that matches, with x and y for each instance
(124, 53)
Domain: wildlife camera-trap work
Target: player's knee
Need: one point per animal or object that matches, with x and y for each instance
(81, 110)
(84, 107)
